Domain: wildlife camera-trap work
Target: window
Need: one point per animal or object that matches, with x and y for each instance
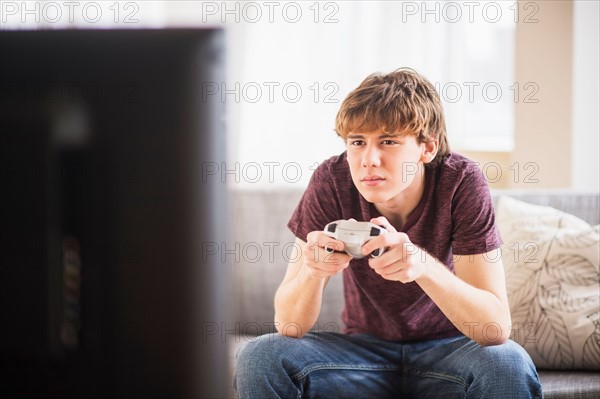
(290, 64)
(289, 75)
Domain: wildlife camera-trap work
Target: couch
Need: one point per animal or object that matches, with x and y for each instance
(261, 246)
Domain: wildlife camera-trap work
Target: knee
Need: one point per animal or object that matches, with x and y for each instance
(510, 360)
(265, 350)
(259, 363)
(507, 371)
(507, 356)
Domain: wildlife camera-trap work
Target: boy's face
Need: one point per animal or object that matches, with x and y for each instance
(385, 166)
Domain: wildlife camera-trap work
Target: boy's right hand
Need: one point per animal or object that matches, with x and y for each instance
(324, 256)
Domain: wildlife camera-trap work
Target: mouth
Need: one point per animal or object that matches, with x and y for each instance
(372, 180)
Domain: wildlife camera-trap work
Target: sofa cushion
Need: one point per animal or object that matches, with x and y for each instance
(261, 247)
(552, 271)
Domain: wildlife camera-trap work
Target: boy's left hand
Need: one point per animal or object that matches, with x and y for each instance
(402, 260)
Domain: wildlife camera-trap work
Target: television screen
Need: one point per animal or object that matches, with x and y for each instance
(104, 289)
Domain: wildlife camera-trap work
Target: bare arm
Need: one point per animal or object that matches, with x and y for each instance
(299, 296)
(474, 298)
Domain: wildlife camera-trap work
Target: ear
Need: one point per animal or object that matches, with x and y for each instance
(430, 150)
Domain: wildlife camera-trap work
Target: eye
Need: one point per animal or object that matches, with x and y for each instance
(389, 142)
(356, 143)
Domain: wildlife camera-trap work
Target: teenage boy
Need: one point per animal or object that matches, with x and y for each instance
(428, 318)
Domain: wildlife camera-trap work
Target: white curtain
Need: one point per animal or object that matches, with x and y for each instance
(466, 51)
(291, 63)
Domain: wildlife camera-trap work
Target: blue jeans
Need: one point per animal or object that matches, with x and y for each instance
(333, 365)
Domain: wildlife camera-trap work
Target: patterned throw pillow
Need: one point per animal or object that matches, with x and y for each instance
(551, 260)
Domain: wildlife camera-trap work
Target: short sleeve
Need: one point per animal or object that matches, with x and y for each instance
(318, 205)
(474, 228)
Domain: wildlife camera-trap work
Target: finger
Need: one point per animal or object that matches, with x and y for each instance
(322, 250)
(322, 263)
(312, 237)
(326, 271)
(388, 270)
(394, 272)
(404, 275)
(329, 243)
(383, 261)
(383, 222)
(322, 240)
(398, 263)
(388, 240)
(336, 261)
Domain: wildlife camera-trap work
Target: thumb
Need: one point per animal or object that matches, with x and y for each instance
(383, 222)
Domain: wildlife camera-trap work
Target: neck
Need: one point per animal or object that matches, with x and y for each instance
(398, 208)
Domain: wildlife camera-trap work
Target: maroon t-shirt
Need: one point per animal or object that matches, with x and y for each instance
(454, 217)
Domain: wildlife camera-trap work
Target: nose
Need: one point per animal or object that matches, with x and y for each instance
(371, 157)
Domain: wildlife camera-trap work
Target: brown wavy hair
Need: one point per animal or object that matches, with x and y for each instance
(400, 102)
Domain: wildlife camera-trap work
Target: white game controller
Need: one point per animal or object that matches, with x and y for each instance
(354, 234)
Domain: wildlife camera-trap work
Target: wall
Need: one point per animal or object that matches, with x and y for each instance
(556, 136)
(586, 105)
(544, 57)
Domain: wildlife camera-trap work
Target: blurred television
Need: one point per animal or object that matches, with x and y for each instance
(104, 289)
